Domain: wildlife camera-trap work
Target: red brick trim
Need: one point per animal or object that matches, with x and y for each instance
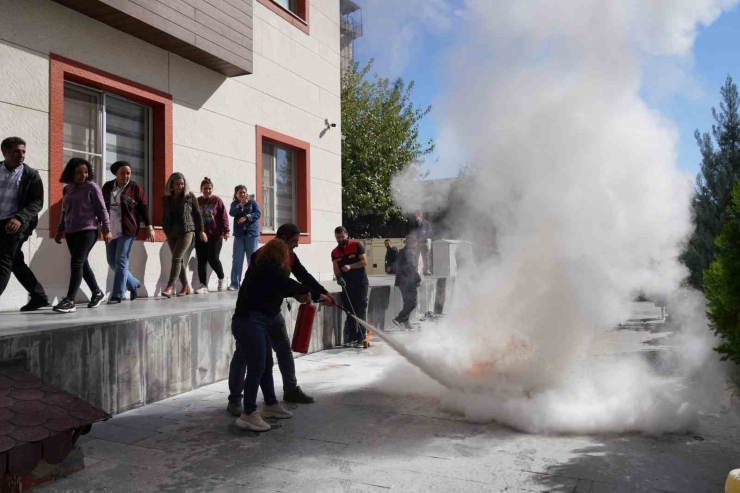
(63, 69)
(304, 178)
(299, 20)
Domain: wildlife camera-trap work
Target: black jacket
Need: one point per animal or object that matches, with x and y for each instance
(31, 198)
(264, 289)
(300, 273)
(407, 270)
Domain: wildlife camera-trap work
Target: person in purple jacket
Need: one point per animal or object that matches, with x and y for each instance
(83, 213)
(216, 227)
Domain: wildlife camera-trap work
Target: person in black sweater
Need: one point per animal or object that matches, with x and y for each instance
(268, 282)
(391, 254)
(290, 234)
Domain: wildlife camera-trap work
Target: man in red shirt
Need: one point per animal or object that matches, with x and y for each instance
(349, 263)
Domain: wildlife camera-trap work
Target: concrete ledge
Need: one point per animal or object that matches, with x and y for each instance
(120, 357)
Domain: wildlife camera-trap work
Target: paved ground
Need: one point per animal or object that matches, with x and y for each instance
(359, 439)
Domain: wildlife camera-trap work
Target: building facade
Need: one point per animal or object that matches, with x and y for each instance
(241, 91)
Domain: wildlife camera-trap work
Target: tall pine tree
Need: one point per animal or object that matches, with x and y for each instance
(720, 170)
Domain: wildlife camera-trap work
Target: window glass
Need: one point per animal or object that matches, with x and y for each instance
(291, 5)
(82, 125)
(278, 186)
(127, 138)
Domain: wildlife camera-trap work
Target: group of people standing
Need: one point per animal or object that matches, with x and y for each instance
(116, 212)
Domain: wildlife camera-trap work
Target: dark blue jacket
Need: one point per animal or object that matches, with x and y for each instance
(250, 210)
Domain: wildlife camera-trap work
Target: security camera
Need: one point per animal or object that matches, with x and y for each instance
(329, 125)
(333, 125)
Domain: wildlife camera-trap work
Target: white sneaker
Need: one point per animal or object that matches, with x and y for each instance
(276, 411)
(233, 288)
(252, 422)
(221, 286)
(201, 290)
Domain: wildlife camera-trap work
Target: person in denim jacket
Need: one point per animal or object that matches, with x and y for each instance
(246, 231)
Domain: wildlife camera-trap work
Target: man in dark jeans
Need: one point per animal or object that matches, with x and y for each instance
(349, 267)
(408, 281)
(279, 333)
(422, 230)
(391, 254)
(21, 199)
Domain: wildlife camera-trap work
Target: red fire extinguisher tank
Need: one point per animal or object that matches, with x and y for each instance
(303, 328)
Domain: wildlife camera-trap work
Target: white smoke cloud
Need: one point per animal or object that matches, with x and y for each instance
(579, 176)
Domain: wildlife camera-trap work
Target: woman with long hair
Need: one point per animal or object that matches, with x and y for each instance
(216, 226)
(246, 213)
(181, 221)
(261, 295)
(127, 207)
(83, 214)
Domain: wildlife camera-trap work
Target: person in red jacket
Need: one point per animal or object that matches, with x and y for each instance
(216, 227)
(349, 262)
(127, 207)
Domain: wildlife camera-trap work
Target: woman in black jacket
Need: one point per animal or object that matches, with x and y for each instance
(267, 283)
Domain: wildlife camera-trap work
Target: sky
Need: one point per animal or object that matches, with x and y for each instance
(410, 39)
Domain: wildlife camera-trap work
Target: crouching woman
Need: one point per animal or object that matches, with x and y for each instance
(267, 283)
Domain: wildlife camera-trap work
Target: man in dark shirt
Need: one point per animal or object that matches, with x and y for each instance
(279, 332)
(408, 281)
(391, 253)
(349, 263)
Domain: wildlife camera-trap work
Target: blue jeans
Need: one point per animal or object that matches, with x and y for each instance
(253, 342)
(243, 246)
(281, 344)
(118, 252)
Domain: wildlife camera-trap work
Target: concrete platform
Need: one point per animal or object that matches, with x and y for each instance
(358, 438)
(119, 357)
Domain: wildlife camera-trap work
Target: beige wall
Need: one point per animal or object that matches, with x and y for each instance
(295, 86)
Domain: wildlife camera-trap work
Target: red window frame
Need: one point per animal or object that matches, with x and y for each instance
(299, 20)
(303, 172)
(63, 69)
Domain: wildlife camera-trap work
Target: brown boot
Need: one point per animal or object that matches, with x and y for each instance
(185, 291)
(168, 291)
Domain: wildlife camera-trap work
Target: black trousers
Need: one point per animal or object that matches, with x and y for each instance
(410, 296)
(355, 296)
(80, 244)
(13, 262)
(281, 344)
(209, 253)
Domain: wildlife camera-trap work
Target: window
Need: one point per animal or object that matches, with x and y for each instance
(291, 5)
(278, 186)
(104, 128)
(283, 182)
(104, 118)
(293, 11)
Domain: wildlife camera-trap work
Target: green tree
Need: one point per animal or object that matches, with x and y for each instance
(722, 283)
(720, 169)
(380, 125)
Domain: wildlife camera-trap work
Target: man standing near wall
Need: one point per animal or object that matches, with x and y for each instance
(279, 332)
(391, 253)
(408, 281)
(21, 200)
(423, 232)
(349, 263)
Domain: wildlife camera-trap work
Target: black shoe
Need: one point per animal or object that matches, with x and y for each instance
(399, 323)
(35, 304)
(132, 292)
(96, 300)
(407, 325)
(298, 396)
(65, 306)
(235, 409)
(114, 300)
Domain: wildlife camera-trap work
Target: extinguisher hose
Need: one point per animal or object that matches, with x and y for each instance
(353, 314)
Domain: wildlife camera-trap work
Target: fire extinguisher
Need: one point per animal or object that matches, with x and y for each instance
(303, 328)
